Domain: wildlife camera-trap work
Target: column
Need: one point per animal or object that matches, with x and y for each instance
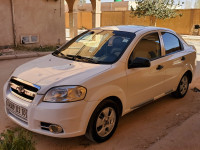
(73, 24)
(96, 14)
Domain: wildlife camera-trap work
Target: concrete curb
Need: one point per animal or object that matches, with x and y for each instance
(19, 56)
(190, 37)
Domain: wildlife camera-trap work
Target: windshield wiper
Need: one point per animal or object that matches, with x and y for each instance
(84, 59)
(72, 57)
(56, 52)
(87, 59)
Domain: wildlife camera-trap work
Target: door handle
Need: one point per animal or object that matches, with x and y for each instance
(159, 67)
(183, 58)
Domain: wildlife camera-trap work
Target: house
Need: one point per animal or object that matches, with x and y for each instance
(32, 22)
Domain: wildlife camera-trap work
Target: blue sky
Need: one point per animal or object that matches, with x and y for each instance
(187, 3)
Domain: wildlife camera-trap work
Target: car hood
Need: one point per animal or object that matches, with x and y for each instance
(50, 71)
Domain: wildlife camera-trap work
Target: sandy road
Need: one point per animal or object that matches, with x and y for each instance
(139, 129)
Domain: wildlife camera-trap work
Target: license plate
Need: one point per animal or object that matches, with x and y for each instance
(17, 110)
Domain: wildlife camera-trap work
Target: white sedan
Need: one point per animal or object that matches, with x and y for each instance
(97, 77)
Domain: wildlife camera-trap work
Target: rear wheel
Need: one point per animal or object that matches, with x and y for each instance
(103, 122)
(182, 87)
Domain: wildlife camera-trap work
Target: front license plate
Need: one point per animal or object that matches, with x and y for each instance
(17, 110)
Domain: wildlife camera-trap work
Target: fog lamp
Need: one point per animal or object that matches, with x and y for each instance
(55, 129)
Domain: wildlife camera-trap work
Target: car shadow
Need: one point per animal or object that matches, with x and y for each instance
(132, 127)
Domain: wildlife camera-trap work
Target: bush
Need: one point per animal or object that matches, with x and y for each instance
(16, 139)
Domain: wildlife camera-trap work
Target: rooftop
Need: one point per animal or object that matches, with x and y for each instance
(131, 28)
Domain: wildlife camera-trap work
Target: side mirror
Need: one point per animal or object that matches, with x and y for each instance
(139, 62)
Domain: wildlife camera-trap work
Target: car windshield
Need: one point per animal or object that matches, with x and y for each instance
(96, 46)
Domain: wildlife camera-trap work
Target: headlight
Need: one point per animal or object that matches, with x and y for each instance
(65, 94)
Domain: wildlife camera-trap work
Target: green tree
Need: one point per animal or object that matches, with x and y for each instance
(155, 9)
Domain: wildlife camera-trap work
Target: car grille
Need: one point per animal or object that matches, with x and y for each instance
(23, 89)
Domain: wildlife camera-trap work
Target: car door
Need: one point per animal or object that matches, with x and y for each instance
(175, 60)
(145, 84)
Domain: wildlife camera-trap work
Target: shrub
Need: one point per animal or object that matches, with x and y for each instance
(16, 139)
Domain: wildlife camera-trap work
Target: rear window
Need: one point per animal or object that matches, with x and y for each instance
(171, 42)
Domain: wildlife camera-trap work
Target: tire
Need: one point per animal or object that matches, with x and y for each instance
(103, 122)
(182, 87)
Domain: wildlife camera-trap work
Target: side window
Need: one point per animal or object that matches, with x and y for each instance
(171, 43)
(148, 47)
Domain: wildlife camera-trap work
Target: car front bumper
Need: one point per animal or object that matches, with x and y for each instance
(72, 117)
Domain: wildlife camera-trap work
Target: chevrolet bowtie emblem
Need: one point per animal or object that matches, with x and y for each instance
(20, 89)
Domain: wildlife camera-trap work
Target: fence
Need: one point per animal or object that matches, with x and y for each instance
(182, 25)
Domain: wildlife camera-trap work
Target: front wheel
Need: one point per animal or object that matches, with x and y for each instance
(182, 87)
(103, 122)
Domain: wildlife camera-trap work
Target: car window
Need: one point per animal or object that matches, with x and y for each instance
(148, 47)
(171, 43)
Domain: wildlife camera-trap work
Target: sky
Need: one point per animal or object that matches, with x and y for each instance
(187, 2)
(88, 1)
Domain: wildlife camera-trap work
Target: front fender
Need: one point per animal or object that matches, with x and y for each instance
(97, 97)
(107, 91)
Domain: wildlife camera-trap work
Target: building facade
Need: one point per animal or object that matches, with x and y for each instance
(32, 22)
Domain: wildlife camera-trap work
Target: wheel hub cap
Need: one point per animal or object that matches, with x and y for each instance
(184, 85)
(106, 121)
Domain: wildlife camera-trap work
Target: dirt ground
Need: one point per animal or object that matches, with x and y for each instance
(141, 129)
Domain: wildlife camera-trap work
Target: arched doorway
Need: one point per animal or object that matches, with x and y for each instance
(73, 16)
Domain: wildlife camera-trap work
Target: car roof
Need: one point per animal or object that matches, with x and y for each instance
(132, 28)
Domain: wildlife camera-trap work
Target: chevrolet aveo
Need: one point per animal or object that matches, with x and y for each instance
(100, 75)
